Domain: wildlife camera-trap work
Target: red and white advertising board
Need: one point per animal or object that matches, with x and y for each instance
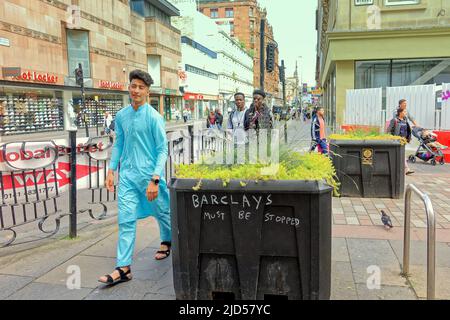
(28, 171)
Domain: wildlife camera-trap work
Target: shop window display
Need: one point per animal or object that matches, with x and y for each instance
(29, 115)
(95, 110)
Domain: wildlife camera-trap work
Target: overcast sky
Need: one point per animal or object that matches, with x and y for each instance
(294, 27)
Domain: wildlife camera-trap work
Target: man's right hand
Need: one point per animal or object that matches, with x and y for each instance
(109, 182)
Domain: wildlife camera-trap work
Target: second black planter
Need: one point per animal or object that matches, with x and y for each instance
(369, 168)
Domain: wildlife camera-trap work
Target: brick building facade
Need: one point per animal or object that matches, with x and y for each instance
(42, 42)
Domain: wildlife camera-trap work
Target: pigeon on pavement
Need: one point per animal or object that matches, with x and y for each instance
(386, 220)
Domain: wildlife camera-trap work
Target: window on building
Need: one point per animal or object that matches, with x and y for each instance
(420, 72)
(397, 73)
(154, 68)
(78, 51)
(231, 27)
(252, 25)
(252, 39)
(400, 2)
(372, 74)
(214, 13)
(229, 13)
(251, 12)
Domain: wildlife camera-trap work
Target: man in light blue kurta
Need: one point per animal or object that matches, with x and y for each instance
(141, 150)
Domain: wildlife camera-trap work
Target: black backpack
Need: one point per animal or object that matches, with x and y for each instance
(112, 125)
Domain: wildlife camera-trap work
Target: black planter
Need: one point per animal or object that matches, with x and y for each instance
(269, 240)
(369, 168)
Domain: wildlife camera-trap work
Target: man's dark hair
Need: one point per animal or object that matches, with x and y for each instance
(401, 101)
(141, 75)
(259, 92)
(239, 94)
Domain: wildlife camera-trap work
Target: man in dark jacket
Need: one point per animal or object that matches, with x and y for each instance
(260, 116)
(219, 119)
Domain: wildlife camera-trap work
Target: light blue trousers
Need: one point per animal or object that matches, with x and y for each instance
(133, 205)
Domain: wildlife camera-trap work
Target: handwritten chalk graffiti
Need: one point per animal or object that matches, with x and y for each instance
(243, 200)
(281, 219)
(214, 216)
(242, 215)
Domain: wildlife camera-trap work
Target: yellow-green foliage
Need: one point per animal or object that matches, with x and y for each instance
(372, 134)
(293, 166)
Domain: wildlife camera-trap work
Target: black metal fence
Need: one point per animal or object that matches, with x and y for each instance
(34, 191)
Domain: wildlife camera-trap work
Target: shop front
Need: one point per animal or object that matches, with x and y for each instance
(200, 105)
(35, 102)
(173, 105)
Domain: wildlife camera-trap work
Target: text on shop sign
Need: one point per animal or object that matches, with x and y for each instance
(110, 85)
(37, 77)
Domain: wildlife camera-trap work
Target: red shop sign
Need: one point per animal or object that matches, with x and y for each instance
(37, 77)
(193, 96)
(110, 85)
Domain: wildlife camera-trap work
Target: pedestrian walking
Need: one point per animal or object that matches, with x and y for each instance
(211, 121)
(400, 126)
(219, 119)
(141, 149)
(185, 115)
(107, 121)
(403, 104)
(318, 131)
(259, 112)
(239, 120)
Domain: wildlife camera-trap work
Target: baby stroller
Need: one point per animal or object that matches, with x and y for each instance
(428, 150)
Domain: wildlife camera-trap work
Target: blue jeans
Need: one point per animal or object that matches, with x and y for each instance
(322, 144)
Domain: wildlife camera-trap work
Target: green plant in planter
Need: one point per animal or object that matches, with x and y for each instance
(292, 166)
(372, 134)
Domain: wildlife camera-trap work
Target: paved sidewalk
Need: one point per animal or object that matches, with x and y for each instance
(42, 272)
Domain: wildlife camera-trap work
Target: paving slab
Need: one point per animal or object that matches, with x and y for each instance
(342, 283)
(418, 253)
(157, 296)
(132, 290)
(91, 268)
(371, 252)
(418, 276)
(339, 250)
(41, 260)
(44, 291)
(10, 284)
(389, 275)
(385, 293)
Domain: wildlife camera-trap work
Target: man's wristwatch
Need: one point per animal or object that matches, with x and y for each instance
(155, 181)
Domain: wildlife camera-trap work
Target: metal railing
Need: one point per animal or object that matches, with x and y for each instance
(431, 239)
